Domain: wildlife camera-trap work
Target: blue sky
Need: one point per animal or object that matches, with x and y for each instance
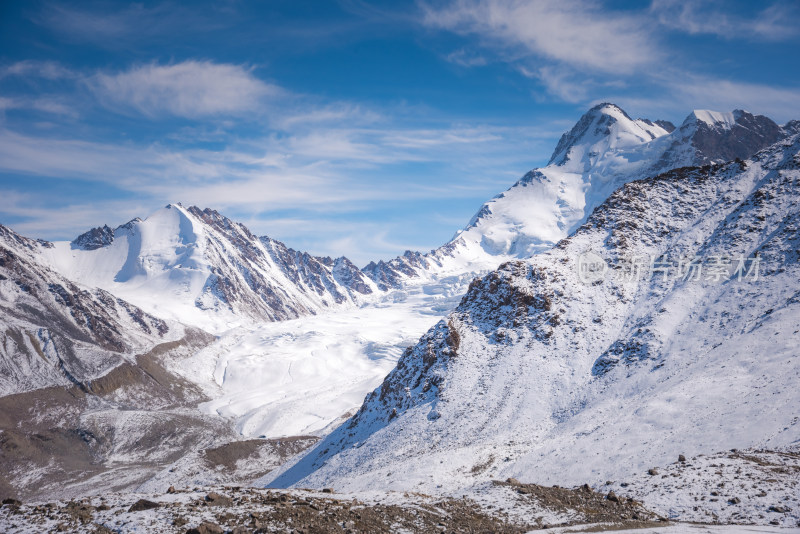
(352, 127)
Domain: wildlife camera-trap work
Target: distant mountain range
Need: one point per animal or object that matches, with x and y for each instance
(217, 273)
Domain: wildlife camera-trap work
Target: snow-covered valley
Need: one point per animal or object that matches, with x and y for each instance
(297, 377)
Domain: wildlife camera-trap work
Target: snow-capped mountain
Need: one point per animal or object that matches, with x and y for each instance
(103, 314)
(665, 325)
(56, 332)
(86, 403)
(201, 268)
(604, 150)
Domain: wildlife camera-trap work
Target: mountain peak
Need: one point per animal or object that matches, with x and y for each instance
(472, 387)
(607, 108)
(605, 124)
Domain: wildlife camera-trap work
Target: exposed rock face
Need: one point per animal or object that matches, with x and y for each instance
(94, 238)
(391, 274)
(337, 278)
(83, 389)
(85, 380)
(792, 127)
(348, 275)
(522, 508)
(666, 125)
(324, 281)
(736, 135)
(136, 417)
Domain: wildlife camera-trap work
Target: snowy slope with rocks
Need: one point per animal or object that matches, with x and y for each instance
(302, 338)
(56, 332)
(86, 404)
(559, 370)
(203, 269)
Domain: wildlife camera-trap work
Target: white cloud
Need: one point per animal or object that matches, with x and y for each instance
(681, 92)
(317, 159)
(580, 51)
(69, 220)
(314, 116)
(51, 105)
(575, 32)
(774, 23)
(437, 138)
(49, 70)
(189, 89)
(112, 25)
(560, 82)
(466, 59)
(779, 103)
(330, 168)
(95, 25)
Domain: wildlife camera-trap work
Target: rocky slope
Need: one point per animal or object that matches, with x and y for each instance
(634, 340)
(509, 508)
(55, 332)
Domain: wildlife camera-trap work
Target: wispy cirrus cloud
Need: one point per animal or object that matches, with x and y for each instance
(49, 70)
(312, 115)
(775, 22)
(561, 82)
(583, 51)
(575, 32)
(319, 158)
(680, 92)
(192, 89)
(780, 103)
(334, 236)
(315, 174)
(112, 25)
(52, 105)
(465, 58)
(35, 216)
(363, 135)
(188, 89)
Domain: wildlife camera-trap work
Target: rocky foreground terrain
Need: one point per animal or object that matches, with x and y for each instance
(725, 492)
(243, 510)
